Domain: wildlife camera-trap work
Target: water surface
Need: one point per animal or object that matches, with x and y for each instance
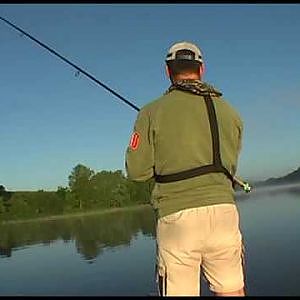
(114, 253)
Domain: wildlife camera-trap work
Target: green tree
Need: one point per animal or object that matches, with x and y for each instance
(2, 189)
(2, 208)
(79, 183)
(120, 195)
(140, 192)
(62, 192)
(2, 194)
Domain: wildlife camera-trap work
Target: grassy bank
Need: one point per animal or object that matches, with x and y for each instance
(76, 214)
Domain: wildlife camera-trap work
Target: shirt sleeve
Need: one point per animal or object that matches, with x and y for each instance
(139, 160)
(240, 128)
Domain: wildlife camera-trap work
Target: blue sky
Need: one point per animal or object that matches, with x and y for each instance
(51, 120)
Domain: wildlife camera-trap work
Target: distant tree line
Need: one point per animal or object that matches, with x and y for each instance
(87, 190)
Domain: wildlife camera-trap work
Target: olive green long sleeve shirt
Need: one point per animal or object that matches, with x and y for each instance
(172, 134)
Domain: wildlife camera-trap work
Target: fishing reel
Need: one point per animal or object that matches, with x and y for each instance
(244, 185)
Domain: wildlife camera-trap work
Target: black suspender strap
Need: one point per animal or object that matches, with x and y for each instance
(191, 173)
(214, 130)
(216, 166)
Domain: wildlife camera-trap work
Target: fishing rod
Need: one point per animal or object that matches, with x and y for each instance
(246, 187)
(80, 70)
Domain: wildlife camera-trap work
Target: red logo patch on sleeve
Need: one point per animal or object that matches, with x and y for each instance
(134, 141)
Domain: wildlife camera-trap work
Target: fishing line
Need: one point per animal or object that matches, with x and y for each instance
(246, 187)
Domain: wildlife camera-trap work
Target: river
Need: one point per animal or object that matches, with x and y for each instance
(114, 253)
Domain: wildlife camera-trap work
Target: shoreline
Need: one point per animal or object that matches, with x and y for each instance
(76, 214)
(259, 189)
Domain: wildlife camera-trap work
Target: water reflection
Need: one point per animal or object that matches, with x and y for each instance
(114, 253)
(92, 234)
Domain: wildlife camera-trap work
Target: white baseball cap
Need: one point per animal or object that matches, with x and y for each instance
(184, 46)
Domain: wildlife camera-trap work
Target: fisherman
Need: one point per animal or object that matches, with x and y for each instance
(189, 141)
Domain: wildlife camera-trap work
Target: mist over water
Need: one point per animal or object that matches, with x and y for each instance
(279, 187)
(256, 190)
(114, 253)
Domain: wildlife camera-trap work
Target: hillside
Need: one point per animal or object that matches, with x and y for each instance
(292, 177)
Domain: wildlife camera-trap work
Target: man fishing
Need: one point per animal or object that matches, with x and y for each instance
(189, 140)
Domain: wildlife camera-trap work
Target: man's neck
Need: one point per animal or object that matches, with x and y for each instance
(187, 77)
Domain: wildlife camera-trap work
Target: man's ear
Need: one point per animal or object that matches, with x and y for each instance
(167, 71)
(202, 69)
